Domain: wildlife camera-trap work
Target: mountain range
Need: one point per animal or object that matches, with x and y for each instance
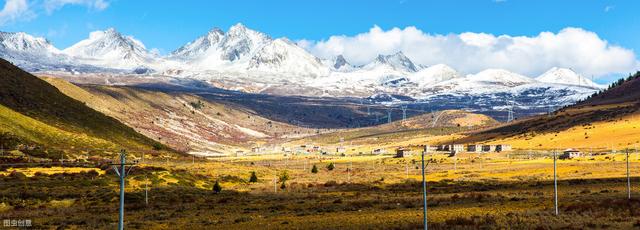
(251, 61)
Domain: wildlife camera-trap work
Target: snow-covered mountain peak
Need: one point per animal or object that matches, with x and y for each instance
(23, 42)
(284, 56)
(199, 46)
(341, 64)
(241, 41)
(103, 42)
(433, 74)
(397, 61)
(567, 77)
(500, 76)
(111, 49)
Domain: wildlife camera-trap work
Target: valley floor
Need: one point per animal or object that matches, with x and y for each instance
(493, 191)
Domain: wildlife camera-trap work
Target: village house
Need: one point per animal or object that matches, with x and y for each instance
(403, 152)
(474, 148)
(442, 148)
(456, 148)
(341, 149)
(488, 148)
(257, 149)
(286, 149)
(378, 151)
(503, 148)
(240, 153)
(570, 153)
(428, 148)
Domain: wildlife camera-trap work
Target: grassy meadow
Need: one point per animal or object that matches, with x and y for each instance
(492, 191)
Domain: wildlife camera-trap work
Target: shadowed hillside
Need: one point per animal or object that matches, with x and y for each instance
(624, 90)
(36, 101)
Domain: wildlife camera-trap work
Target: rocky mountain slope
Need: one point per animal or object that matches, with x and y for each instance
(184, 121)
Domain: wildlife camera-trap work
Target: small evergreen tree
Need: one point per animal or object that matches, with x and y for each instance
(283, 179)
(253, 178)
(331, 166)
(217, 188)
(314, 169)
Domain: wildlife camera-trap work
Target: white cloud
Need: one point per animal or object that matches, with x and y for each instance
(469, 52)
(53, 5)
(15, 10)
(609, 8)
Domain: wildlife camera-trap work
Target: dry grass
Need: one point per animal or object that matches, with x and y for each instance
(478, 191)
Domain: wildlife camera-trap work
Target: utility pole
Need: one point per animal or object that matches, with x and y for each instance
(555, 183)
(404, 112)
(406, 165)
(424, 194)
(628, 177)
(122, 173)
(389, 116)
(349, 172)
(510, 112)
(146, 190)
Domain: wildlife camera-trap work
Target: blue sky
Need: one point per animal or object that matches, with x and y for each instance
(166, 25)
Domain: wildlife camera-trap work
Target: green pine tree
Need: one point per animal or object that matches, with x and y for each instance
(217, 188)
(253, 178)
(331, 166)
(314, 169)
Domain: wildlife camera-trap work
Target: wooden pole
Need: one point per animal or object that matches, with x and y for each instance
(555, 183)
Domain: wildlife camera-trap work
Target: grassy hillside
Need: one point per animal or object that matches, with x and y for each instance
(32, 130)
(31, 103)
(621, 91)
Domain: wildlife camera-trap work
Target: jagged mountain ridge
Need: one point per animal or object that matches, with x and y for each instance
(251, 61)
(111, 49)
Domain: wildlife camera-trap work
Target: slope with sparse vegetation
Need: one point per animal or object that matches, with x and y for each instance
(39, 114)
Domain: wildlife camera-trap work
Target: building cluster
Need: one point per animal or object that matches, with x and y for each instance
(457, 148)
(471, 148)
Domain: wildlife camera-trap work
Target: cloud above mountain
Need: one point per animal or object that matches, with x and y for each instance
(583, 51)
(24, 10)
(52, 5)
(14, 10)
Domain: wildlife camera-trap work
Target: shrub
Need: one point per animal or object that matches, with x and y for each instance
(217, 188)
(157, 146)
(314, 169)
(331, 166)
(284, 176)
(253, 178)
